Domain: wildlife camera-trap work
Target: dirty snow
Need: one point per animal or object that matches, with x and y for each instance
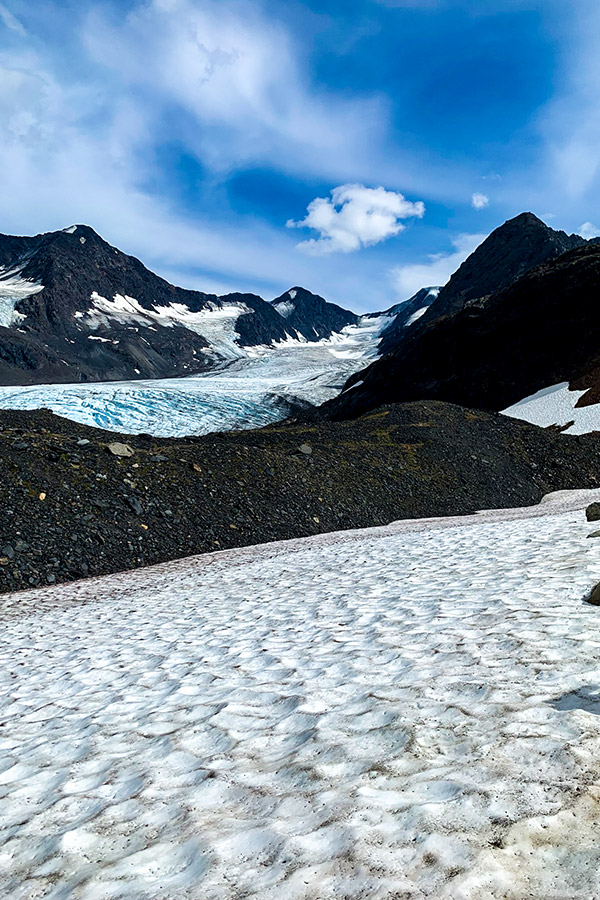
(410, 711)
(555, 405)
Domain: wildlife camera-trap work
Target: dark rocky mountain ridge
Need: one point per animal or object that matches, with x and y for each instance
(541, 330)
(405, 315)
(511, 250)
(74, 308)
(310, 315)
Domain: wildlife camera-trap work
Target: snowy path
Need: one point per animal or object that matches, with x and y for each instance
(404, 712)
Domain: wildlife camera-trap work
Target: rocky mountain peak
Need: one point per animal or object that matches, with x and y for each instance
(511, 250)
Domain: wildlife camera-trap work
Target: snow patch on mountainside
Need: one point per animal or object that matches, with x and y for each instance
(285, 308)
(555, 405)
(215, 323)
(405, 711)
(416, 315)
(256, 389)
(13, 288)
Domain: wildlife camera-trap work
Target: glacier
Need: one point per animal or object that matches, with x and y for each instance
(408, 711)
(261, 385)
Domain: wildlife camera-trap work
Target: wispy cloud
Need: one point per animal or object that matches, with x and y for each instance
(355, 216)
(10, 21)
(238, 77)
(407, 280)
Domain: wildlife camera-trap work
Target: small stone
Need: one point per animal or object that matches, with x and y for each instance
(145, 527)
(196, 467)
(50, 578)
(592, 513)
(119, 449)
(8, 551)
(42, 495)
(82, 442)
(135, 505)
(306, 449)
(594, 596)
(594, 534)
(4, 560)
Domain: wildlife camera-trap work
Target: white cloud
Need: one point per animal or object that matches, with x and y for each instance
(240, 80)
(10, 22)
(356, 216)
(409, 279)
(479, 201)
(588, 230)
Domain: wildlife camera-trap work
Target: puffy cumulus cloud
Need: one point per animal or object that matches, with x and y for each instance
(437, 270)
(355, 216)
(479, 201)
(588, 230)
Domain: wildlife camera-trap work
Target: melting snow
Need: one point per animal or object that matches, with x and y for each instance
(13, 288)
(406, 711)
(556, 406)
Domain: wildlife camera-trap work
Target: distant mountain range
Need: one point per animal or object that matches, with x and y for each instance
(497, 334)
(516, 328)
(73, 308)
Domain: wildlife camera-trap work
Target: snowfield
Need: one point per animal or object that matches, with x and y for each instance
(249, 392)
(555, 405)
(410, 711)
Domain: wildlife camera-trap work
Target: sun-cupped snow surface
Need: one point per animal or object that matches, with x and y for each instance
(555, 405)
(256, 390)
(411, 711)
(13, 288)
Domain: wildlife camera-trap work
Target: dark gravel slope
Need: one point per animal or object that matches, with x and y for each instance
(70, 509)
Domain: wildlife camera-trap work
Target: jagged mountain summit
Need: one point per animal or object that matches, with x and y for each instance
(74, 308)
(311, 316)
(541, 332)
(510, 251)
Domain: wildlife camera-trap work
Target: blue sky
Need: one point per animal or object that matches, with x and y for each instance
(360, 148)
